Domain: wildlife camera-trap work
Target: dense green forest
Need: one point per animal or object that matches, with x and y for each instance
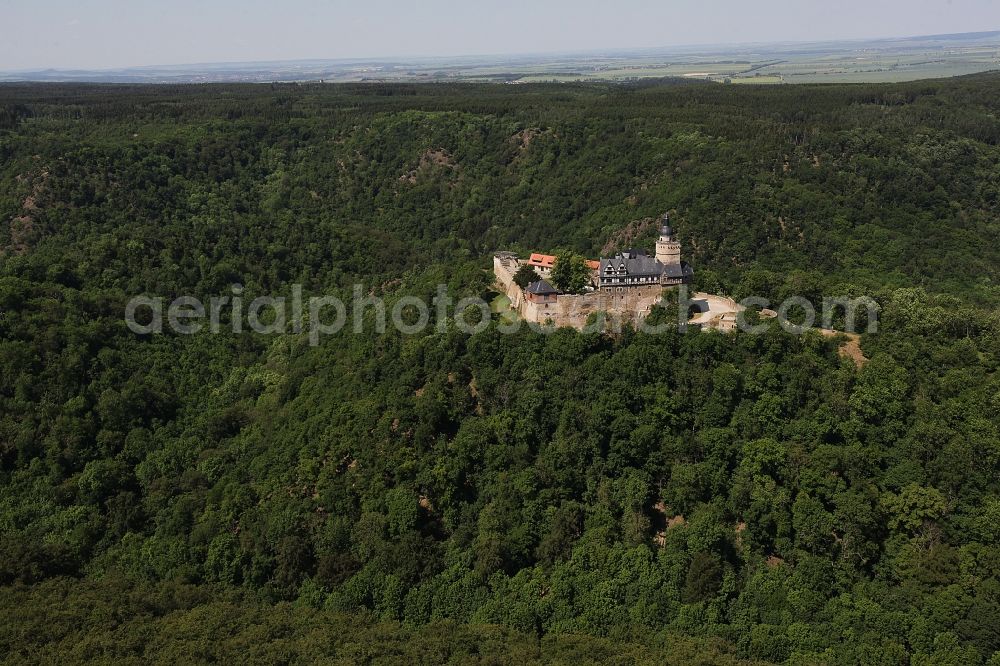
(685, 497)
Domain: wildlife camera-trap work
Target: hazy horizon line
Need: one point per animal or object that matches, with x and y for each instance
(653, 50)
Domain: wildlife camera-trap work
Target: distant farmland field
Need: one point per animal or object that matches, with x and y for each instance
(876, 61)
(881, 68)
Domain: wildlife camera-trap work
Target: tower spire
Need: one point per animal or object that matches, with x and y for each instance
(666, 230)
(668, 248)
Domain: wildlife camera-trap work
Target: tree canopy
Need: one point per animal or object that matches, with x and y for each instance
(570, 273)
(681, 497)
(525, 275)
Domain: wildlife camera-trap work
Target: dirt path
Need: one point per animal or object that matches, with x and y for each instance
(851, 348)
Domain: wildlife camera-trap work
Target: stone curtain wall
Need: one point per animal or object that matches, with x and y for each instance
(504, 270)
(632, 305)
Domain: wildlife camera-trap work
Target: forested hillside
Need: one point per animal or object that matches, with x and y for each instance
(498, 498)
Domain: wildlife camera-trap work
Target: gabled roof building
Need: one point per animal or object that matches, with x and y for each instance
(543, 263)
(635, 268)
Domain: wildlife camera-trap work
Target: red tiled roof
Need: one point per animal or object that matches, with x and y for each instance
(543, 260)
(548, 261)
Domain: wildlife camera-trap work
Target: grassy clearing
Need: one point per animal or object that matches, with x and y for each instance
(500, 304)
(769, 80)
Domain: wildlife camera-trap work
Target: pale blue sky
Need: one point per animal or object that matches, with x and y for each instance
(116, 33)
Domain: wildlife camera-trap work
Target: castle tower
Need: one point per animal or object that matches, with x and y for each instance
(668, 248)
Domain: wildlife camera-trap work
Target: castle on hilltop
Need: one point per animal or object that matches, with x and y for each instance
(627, 284)
(634, 268)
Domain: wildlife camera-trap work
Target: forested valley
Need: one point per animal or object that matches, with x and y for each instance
(678, 498)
